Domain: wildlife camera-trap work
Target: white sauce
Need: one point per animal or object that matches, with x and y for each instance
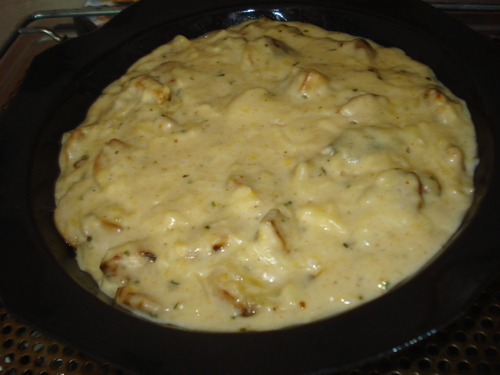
(263, 176)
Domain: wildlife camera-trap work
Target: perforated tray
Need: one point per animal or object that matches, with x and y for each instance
(471, 345)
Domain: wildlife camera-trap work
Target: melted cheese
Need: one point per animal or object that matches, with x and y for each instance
(263, 176)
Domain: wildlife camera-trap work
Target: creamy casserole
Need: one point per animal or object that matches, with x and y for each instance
(262, 176)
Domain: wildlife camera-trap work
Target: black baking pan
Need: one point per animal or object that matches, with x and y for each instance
(41, 284)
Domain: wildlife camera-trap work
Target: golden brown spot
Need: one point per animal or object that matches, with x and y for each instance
(246, 308)
(148, 255)
(112, 227)
(110, 267)
(106, 157)
(362, 44)
(129, 295)
(80, 162)
(312, 79)
(276, 220)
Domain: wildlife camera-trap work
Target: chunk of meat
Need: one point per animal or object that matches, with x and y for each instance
(238, 287)
(106, 159)
(367, 108)
(442, 106)
(360, 48)
(133, 297)
(120, 263)
(397, 188)
(278, 226)
(151, 90)
(73, 151)
(307, 83)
